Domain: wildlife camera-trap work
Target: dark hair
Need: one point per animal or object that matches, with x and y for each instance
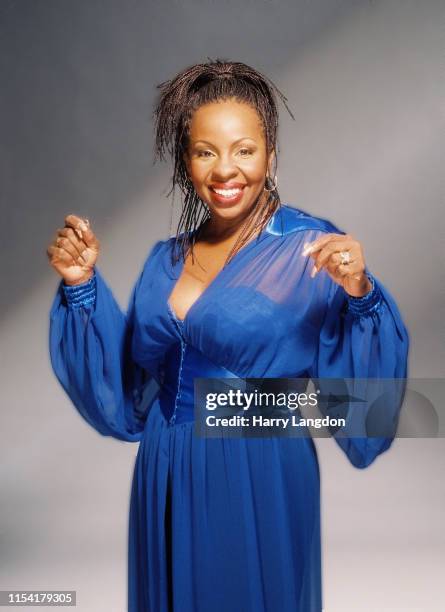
(194, 86)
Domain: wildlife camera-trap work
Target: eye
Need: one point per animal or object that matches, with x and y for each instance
(244, 153)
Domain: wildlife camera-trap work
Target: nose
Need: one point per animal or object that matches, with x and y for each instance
(224, 168)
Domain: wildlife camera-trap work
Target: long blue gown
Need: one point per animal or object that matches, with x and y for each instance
(223, 524)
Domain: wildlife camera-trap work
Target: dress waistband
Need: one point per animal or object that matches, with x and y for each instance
(184, 363)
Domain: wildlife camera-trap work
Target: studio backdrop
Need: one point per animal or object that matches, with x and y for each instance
(364, 80)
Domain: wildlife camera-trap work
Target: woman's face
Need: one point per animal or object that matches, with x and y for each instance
(227, 152)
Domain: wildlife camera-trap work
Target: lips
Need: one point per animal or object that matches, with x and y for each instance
(227, 199)
(226, 186)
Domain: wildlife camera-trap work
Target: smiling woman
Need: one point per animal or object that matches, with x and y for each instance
(186, 119)
(222, 524)
(229, 176)
(227, 164)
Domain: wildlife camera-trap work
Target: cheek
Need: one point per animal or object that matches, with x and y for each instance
(255, 170)
(198, 168)
(259, 171)
(198, 174)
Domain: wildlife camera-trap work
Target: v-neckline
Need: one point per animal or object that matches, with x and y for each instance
(181, 264)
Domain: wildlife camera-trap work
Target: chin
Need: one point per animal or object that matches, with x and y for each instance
(230, 211)
(230, 214)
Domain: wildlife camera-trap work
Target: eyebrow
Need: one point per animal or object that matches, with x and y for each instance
(236, 141)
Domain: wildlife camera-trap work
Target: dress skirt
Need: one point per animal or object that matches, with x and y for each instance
(223, 524)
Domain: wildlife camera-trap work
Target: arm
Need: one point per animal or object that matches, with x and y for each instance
(90, 342)
(364, 338)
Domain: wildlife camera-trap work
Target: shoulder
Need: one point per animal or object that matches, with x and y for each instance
(153, 257)
(289, 219)
(157, 249)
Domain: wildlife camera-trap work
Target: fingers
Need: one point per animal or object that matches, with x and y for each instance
(67, 239)
(83, 230)
(326, 252)
(57, 255)
(74, 244)
(333, 262)
(333, 249)
(336, 268)
(77, 223)
(316, 245)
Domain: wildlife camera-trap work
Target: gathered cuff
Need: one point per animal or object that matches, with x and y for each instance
(80, 295)
(367, 304)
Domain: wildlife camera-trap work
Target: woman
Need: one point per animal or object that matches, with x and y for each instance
(247, 288)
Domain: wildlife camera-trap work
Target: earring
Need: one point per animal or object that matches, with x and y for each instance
(269, 181)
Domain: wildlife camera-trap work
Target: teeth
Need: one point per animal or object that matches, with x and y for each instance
(227, 192)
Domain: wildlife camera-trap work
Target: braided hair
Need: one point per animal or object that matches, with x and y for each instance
(179, 98)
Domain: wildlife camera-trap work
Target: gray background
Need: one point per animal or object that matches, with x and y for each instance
(364, 80)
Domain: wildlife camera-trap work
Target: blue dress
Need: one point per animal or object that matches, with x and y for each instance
(223, 524)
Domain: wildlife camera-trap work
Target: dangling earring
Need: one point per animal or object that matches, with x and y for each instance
(269, 181)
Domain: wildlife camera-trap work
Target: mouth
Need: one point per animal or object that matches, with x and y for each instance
(229, 196)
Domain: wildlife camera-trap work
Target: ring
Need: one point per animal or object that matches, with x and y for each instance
(345, 257)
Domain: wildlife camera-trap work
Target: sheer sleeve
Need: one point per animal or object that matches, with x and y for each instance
(364, 338)
(90, 344)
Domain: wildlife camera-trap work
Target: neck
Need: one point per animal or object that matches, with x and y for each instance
(218, 229)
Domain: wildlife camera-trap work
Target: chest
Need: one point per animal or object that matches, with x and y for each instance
(259, 315)
(198, 272)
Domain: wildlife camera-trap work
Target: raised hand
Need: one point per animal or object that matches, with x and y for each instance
(342, 258)
(74, 250)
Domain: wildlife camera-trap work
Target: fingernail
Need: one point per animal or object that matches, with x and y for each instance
(307, 249)
(314, 271)
(83, 226)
